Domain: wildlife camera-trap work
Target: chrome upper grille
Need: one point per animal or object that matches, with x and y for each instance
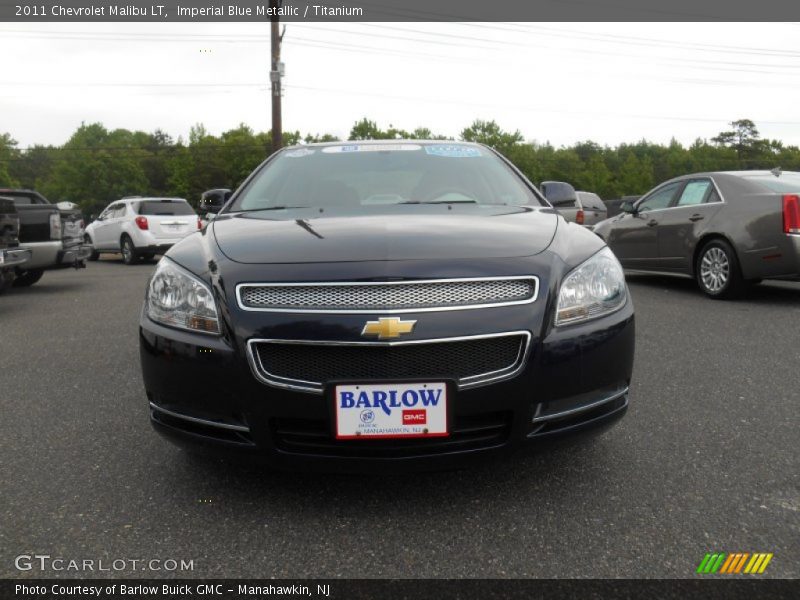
(311, 365)
(388, 297)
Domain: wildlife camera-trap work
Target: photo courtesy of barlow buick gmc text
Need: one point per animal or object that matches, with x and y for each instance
(398, 299)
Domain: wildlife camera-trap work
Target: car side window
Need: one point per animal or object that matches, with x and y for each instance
(120, 212)
(661, 198)
(695, 192)
(592, 201)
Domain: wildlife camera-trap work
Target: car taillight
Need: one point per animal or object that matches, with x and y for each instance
(83, 224)
(141, 223)
(55, 226)
(199, 223)
(579, 217)
(791, 213)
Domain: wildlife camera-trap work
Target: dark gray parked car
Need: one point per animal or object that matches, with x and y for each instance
(725, 229)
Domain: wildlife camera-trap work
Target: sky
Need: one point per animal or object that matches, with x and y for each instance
(554, 82)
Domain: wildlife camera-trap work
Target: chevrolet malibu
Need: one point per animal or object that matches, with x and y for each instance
(370, 303)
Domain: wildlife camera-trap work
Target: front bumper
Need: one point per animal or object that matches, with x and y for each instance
(13, 257)
(202, 393)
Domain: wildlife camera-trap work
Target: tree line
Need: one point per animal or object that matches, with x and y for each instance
(96, 165)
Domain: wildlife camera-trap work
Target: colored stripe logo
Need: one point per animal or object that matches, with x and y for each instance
(734, 563)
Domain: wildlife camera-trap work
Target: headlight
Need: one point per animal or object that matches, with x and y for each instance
(177, 298)
(594, 289)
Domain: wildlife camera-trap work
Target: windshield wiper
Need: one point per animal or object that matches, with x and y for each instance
(271, 208)
(440, 202)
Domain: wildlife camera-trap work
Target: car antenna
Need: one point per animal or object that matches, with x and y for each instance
(776, 171)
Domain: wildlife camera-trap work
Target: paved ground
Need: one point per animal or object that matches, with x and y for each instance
(706, 459)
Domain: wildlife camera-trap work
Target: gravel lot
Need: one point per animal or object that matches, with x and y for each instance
(706, 459)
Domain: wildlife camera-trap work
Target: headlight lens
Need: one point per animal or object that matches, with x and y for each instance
(177, 298)
(595, 288)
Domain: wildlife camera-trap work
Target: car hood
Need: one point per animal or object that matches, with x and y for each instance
(437, 232)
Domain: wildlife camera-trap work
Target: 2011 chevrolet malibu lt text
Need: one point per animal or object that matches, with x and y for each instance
(400, 303)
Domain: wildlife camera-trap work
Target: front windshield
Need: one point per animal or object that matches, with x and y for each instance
(359, 177)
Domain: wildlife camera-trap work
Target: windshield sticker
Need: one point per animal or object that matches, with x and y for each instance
(371, 148)
(453, 151)
(299, 153)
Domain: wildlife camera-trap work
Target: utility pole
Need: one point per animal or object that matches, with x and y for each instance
(275, 76)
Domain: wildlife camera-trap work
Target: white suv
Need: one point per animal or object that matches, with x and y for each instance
(141, 227)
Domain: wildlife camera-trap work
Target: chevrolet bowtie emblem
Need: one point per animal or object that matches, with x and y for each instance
(388, 327)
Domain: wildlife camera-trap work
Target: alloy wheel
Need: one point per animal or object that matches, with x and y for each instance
(715, 269)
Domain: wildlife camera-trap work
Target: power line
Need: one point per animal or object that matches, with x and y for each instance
(528, 108)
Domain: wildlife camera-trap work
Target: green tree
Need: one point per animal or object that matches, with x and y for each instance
(367, 130)
(95, 167)
(489, 133)
(8, 154)
(325, 137)
(33, 168)
(743, 137)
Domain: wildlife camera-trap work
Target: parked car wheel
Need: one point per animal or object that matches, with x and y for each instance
(129, 256)
(95, 254)
(28, 277)
(717, 270)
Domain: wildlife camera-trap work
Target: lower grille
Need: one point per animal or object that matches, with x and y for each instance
(311, 365)
(468, 433)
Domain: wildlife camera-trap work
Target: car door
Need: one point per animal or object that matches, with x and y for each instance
(682, 226)
(100, 232)
(634, 237)
(114, 226)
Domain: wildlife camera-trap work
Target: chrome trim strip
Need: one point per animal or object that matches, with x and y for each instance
(391, 311)
(316, 387)
(241, 428)
(579, 409)
(634, 271)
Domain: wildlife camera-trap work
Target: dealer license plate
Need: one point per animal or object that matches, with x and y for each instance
(387, 410)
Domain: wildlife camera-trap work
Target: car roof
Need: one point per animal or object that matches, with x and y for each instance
(150, 199)
(743, 174)
(382, 142)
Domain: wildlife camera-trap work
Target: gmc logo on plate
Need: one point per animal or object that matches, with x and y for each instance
(415, 417)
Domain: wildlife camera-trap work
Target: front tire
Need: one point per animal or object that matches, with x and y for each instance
(129, 255)
(28, 278)
(717, 270)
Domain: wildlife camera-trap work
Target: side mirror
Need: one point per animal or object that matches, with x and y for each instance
(628, 207)
(559, 193)
(211, 216)
(93, 217)
(227, 196)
